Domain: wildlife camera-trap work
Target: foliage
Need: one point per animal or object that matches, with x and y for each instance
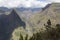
(49, 34)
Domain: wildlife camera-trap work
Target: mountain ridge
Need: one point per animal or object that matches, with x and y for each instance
(51, 12)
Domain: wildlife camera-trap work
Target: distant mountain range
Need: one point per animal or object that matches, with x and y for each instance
(21, 9)
(28, 9)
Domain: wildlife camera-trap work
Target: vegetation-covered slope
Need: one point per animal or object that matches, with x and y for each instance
(52, 12)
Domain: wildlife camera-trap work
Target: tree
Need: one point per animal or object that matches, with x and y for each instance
(48, 26)
(49, 22)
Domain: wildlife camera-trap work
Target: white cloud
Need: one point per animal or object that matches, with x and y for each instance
(19, 3)
(56, 1)
(25, 3)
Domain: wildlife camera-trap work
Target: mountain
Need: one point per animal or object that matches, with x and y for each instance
(34, 22)
(21, 9)
(4, 9)
(51, 11)
(8, 23)
(27, 12)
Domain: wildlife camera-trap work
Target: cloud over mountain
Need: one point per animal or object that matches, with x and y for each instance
(25, 3)
(54, 1)
(22, 3)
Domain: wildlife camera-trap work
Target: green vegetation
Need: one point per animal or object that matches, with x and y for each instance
(49, 34)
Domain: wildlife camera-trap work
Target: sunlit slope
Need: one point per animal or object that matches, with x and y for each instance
(52, 12)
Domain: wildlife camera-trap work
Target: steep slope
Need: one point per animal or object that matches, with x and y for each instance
(8, 23)
(52, 12)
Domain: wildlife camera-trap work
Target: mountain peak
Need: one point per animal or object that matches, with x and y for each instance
(46, 7)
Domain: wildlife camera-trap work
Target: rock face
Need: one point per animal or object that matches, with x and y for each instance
(8, 23)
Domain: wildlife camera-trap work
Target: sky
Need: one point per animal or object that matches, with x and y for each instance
(26, 3)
